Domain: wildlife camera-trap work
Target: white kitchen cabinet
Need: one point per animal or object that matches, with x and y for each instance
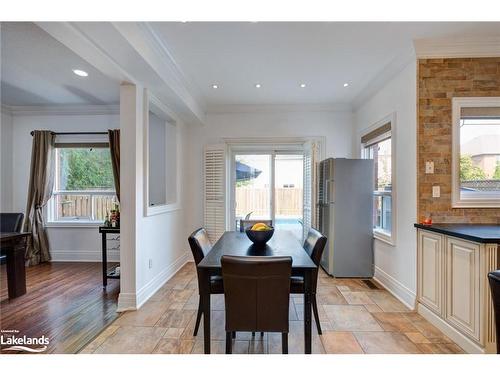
(462, 286)
(431, 270)
(452, 282)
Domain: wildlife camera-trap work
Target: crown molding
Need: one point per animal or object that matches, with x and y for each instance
(385, 75)
(488, 46)
(278, 108)
(61, 110)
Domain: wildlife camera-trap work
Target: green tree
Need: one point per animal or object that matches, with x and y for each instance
(87, 169)
(496, 174)
(469, 171)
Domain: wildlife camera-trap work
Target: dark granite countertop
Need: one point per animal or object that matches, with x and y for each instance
(483, 233)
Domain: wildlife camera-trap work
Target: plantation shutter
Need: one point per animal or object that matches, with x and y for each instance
(311, 160)
(214, 176)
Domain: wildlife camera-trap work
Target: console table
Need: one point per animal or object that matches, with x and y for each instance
(107, 273)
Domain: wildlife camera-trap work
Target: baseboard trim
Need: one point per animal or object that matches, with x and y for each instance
(463, 341)
(134, 301)
(83, 256)
(393, 286)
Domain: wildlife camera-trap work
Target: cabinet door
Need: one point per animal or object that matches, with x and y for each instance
(430, 270)
(462, 286)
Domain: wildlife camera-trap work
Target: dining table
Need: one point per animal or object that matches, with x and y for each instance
(282, 243)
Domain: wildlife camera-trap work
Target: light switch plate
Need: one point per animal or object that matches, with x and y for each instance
(429, 167)
(436, 191)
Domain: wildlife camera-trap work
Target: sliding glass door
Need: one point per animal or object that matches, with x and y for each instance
(268, 185)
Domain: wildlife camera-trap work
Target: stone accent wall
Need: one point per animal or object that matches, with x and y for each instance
(439, 80)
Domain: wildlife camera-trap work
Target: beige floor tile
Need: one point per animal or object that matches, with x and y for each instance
(130, 340)
(373, 308)
(330, 296)
(417, 338)
(440, 348)
(351, 318)
(387, 302)
(92, 346)
(176, 318)
(173, 333)
(357, 298)
(385, 343)
(173, 346)
(340, 343)
(394, 322)
(219, 347)
(147, 316)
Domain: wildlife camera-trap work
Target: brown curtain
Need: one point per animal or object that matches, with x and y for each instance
(114, 147)
(39, 192)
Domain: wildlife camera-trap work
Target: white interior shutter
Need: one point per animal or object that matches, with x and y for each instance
(214, 175)
(311, 162)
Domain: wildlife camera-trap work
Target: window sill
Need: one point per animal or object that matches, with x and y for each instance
(80, 224)
(383, 237)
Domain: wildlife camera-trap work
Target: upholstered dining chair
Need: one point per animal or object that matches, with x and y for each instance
(494, 278)
(200, 246)
(257, 295)
(314, 245)
(247, 224)
(10, 222)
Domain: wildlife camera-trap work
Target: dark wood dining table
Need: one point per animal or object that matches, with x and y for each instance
(283, 243)
(14, 245)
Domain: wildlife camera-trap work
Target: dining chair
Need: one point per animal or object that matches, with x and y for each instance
(9, 222)
(314, 245)
(257, 295)
(247, 224)
(494, 278)
(200, 246)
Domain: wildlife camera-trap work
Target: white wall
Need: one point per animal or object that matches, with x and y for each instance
(161, 238)
(336, 127)
(66, 243)
(396, 265)
(6, 163)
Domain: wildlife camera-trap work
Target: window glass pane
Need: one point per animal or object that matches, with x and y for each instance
(84, 169)
(72, 207)
(479, 156)
(381, 153)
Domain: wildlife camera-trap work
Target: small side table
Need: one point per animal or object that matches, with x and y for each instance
(107, 273)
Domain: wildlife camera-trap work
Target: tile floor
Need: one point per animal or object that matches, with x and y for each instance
(354, 319)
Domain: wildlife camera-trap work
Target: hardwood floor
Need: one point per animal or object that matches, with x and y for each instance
(64, 301)
(355, 318)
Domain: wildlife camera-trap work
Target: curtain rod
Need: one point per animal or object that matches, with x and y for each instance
(75, 133)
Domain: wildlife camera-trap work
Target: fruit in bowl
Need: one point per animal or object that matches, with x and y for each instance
(260, 233)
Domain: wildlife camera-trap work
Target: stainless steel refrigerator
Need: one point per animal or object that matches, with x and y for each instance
(345, 209)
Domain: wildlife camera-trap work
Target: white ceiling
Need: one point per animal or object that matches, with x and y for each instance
(37, 70)
(280, 56)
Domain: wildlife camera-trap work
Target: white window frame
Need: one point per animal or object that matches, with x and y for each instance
(378, 234)
(51, 205)
(456, 200)
(153, 103)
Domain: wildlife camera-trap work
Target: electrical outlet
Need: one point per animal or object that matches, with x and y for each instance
(436, 191)
(429, 167)
(151, 263)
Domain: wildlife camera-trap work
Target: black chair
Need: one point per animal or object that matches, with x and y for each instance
(200, 246)
(494, 278)
(257, 295)
(314, 245)
(10, 222)
(247, 224)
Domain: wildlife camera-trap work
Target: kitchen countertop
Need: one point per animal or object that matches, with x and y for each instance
(483, 233)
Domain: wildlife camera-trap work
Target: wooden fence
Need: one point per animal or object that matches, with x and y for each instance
(81, 206)
(288, 201)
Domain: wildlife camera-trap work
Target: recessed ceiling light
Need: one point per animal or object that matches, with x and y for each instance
(215, 86)
(346, 84)
(258, 85)
(81, 73)
(302, 85)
